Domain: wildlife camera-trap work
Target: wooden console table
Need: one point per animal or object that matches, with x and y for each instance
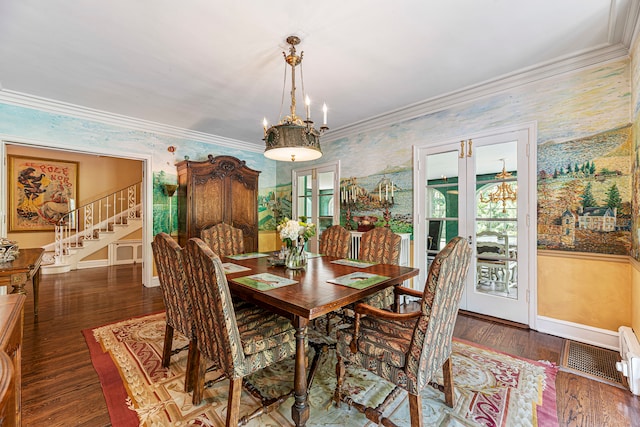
(18, 272)
(11, 323)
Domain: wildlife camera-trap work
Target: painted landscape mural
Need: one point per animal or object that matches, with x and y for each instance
(383, 198)
(584, 193)
(635, 216)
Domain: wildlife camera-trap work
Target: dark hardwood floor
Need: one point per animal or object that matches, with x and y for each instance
(61, 388)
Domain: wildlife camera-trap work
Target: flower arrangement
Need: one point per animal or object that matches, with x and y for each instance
(296, 233)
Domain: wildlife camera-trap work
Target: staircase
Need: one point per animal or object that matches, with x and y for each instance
(89, 228)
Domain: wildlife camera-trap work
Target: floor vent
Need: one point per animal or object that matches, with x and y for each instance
(592, 362)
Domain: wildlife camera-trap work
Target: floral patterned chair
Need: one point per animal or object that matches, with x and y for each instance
(238, 341)
(407, 348)
(335, 241)
(380, 245)
(223, 239)
(167, 255)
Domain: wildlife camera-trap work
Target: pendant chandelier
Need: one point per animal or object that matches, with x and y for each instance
(294, 139)
(503, 192)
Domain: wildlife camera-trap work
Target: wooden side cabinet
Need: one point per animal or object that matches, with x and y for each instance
(11, 322)
(220, 189)
(7, 391)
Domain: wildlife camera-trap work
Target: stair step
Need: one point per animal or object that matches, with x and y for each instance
(55, 269)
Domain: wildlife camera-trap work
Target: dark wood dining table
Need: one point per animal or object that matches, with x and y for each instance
(310, 298)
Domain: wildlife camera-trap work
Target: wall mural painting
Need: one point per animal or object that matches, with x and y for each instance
(41, 191)
(165, 203)
(635, 247)
(272, 204)
(584, 193)
(376, 200)
(279, 205)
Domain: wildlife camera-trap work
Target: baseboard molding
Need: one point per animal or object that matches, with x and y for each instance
(578, 332)
(93, 263)
(155, 282)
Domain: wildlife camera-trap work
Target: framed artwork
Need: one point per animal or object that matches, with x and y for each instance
(41, 191)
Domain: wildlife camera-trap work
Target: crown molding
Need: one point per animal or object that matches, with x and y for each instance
(72, 110)
(630, 29)
(527, 76)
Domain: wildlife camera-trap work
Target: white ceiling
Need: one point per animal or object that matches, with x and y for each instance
(216, 66)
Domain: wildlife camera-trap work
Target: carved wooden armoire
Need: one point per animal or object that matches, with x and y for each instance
(220, 189)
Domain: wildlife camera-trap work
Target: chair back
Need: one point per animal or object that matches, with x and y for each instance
(214, 316)
(167, 255)
(433, 236)
(335, 241)
(431, 343)
(380, 245)
(223, 239)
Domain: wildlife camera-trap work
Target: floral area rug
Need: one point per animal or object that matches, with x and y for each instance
(491, 388)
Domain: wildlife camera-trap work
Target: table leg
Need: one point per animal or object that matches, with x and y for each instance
(300, 408)
(36, 291)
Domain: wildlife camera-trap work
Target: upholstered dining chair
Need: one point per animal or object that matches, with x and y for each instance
(223, 239)
(167, 255)
(380, 245)
(335, 241)
(408, 348)
(238, 341)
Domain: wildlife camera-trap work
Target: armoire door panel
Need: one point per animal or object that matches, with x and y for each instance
(208, 203)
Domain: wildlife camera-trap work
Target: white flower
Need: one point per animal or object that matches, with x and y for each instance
(290, 231)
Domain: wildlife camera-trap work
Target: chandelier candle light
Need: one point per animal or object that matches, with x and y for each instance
(294, 139)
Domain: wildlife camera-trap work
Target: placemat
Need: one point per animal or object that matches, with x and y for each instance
(265, 281)
(247, 255)
(230, 268)
(354, 262)
(358, 280)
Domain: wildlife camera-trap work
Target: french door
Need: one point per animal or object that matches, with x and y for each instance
(314, 191)
(479, 188)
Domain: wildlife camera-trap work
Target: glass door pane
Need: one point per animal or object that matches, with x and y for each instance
(442, 201)
(496, 219)
(325, 200)
(304, 198)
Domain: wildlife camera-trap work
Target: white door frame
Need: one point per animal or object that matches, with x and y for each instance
(146, 196)
(531, 217)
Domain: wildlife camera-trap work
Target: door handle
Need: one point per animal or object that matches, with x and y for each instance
(462, 149)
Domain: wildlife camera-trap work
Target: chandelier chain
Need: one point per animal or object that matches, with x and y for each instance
(293, 138)
(304, 93)
(284, 84)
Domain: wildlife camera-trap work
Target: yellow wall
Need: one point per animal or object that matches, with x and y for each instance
(635, 296)
(98, 177)
(590, 290)
(268, 241)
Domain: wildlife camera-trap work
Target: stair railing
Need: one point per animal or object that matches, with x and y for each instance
(87, 221)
